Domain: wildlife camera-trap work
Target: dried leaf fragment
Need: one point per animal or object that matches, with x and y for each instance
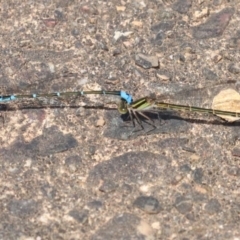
(227, 100)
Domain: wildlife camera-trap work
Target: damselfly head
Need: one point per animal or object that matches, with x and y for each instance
(123, 107)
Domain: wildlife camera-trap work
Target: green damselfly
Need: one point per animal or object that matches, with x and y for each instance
(140, 107)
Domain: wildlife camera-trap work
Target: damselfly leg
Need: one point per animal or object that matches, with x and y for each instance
(136, 111)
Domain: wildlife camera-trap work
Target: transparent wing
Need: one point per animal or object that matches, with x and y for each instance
(188, 95)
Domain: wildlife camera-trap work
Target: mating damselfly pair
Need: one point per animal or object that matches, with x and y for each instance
(136, 109)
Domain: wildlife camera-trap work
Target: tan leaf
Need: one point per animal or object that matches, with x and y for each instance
(227, 100)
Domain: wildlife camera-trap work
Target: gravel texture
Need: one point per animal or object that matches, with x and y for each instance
(76, 169)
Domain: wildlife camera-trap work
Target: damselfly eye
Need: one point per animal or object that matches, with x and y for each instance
(122, 107)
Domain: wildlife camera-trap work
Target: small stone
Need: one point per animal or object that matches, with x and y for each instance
(148, 204)
(179, 58)
(120, 8)
(217, 58)
(183, 204)
(234, 68)
(100, 122)
(198, 175)
(201, 14)
(128, 44)
(163, 27)
(163, 77)
(58, 14)
(234, 171)
(92, 20)
(201, 190)
(213, 206)
(209, 74)
(226, 55)
(96, 205)
(185, 168)
(73, 163)
(138, 24)
(51, 23)
(108, 186)
(119, 35)
(145, 230)
(80, 216)
(233, 43)
(145, 61)
(176, 179)
(116, 52)
(236, 152)
(182, 6)
(156, 225)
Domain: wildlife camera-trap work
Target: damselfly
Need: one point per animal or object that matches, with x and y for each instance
(8, 98)
(140, 107)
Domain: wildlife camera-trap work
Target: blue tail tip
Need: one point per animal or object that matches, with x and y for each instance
(7, 98)
(126, 96)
